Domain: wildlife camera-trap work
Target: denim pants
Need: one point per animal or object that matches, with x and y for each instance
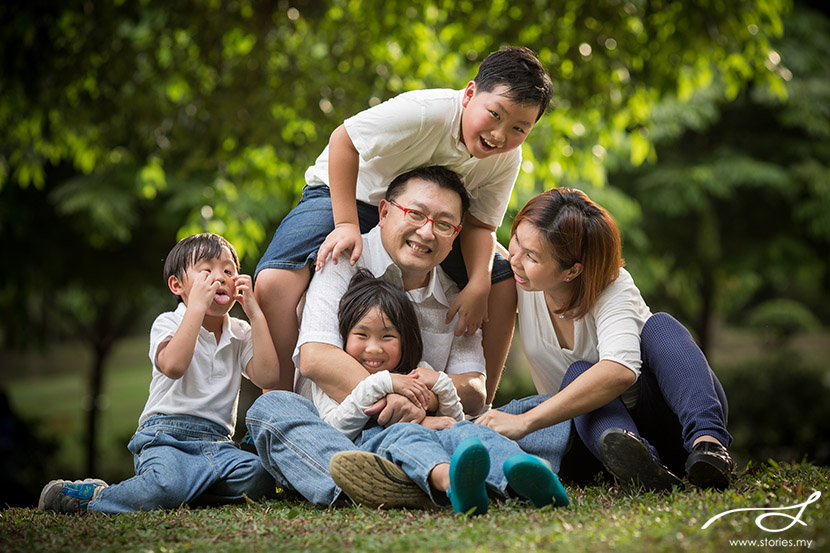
(180, 460)
(295, 445)
(680, 398)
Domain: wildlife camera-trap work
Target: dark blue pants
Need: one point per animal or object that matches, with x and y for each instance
(680, 397)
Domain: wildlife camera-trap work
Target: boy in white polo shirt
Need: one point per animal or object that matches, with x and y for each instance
(477, 133)
(183, 448)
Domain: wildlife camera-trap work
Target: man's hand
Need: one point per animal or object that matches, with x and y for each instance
(438, 423)
(395, 408)
(344, 237)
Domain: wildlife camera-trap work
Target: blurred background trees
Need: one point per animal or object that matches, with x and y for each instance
(704, 127)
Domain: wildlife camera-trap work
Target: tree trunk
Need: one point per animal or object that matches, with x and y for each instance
(707, 300)
(95, 387)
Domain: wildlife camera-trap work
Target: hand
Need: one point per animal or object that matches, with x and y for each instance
(510, 426)
(471, 307)
(396, 408)
(245, 295)
(202, 291)
(438, 423)
(411, 388)
(428, 376)
(344, 237)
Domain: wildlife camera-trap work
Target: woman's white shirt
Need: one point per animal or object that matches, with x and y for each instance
(609, 331)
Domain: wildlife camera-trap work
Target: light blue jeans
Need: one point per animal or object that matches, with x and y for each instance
(549, 443)
(295, 446)
(180, 460)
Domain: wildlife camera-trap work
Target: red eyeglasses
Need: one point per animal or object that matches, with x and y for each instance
(418, 219)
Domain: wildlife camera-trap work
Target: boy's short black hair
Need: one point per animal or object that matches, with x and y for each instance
(439, 176)
(521, 72)
(193, 249)
(365, 292)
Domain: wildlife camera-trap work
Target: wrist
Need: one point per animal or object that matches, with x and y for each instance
(345, 223)
(479, 282)
(528, 423)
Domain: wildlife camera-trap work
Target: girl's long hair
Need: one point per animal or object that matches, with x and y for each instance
(366, 292)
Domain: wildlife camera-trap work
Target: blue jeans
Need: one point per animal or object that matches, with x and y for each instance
(680, 397)
(180, 459)
(548, 443)
(295, 446)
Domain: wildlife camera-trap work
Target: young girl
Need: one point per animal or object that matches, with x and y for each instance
(380, 329)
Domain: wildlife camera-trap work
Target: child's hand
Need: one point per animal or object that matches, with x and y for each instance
(245, 295)
(343, 238)
(471, 307)
(203, 290)
(438, 423)
(425, 375)
(412, 389)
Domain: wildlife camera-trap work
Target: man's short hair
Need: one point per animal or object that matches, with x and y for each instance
(439, 176)
(517, 68)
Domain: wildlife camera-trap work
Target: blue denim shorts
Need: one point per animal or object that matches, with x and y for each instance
(304, 229)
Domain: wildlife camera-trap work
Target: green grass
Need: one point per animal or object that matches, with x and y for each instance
(600, 518)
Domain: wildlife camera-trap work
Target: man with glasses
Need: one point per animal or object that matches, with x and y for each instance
(420, 217)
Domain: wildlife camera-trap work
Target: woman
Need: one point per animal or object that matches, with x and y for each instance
(642, 396)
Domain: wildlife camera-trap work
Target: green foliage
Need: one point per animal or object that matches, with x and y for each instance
(782, 318)
(242, 96)
(778, 407)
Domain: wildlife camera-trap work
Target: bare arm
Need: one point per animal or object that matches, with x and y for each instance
(336, 372)
(594, 388)
(471, 388)
(344, 161)
(175, 355)
(264, 367)
(478, 244)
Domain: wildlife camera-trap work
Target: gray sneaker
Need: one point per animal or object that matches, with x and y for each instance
(69, 496)
(372, 481)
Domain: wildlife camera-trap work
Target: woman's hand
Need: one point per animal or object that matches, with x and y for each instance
(510, 426)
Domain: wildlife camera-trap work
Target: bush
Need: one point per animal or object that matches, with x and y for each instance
(778, 408)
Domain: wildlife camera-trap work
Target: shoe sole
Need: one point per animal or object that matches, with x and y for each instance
(531, 478)
(630, 461)
(370, 480)
(704, 474)
(469, 468)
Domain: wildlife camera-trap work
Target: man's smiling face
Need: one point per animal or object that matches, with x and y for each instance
(417, 250)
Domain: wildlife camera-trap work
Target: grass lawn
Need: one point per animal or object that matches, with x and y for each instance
(600, 518)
